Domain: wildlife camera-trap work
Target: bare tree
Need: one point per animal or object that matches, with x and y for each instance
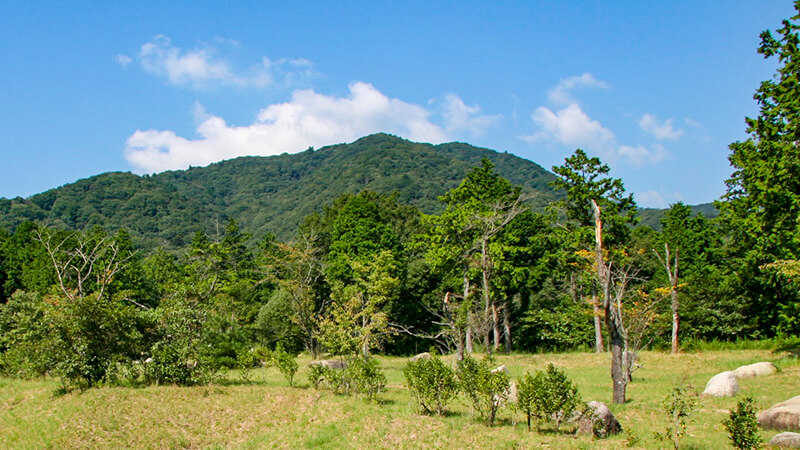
(625, 342)
(80, 258)
(671, 266)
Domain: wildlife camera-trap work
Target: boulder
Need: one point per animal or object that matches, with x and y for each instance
(786, 440)
(425, 355)
(512, 392)
(598, 420)
(755, 370)
(783, 416)
(329, 363)
(722, 385)
(502, 368)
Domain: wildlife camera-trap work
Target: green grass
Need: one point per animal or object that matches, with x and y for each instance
(268, 413)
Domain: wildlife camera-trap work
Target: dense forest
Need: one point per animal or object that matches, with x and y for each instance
(265, 194)
(331, 251)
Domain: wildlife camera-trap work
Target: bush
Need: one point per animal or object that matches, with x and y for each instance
(285, 362)
(743, 426)
(548, 395)
(487, 390)
(361, 375)
(366, 377)
(432, 384)
(678, 406)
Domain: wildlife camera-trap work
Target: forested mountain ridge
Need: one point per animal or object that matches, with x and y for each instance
(266, 194)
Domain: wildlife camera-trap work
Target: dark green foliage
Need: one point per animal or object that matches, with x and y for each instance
(486, 390)
(742, 426)
(432, 384)
(178, 355)
(678, 406)
(555, 321)
(548, 396)
(266, 194)
(760, 207)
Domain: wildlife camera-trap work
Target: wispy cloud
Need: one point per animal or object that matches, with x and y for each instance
(661, 130)
(460, 117)
(641, 155)
(572, 127)
(204, 67)
(308, 119)
(561, 94)
(123, 60)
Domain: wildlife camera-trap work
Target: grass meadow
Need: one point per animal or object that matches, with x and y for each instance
(266, 413)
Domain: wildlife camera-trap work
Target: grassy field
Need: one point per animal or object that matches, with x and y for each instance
(267, 413)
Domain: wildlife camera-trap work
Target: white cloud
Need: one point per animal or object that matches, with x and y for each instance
(123, 60)
(651, 199)
(662, 130)
(571, 126)
(308, 119)
(562, 93)
(460, 117)
(202, 67)
(641, 155)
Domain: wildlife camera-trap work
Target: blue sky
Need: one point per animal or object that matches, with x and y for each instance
(658, 90)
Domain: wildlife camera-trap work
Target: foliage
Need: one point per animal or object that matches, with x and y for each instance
(742, 426)
(432, 384)
(678, 406)
(487, 390)
(285, 362)
(357, 321)
(360, 375)
(548, 395)
(760, 206)
(178, 355)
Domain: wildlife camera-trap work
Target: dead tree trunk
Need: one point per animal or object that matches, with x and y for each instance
(598, 330)
(671, 266)
(613, 315)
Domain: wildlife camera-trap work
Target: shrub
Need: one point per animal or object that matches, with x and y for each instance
(285, 362)
(432, 384)
(361, 376)
(487, 390)
(246, 360)
(366, 377)
(548, 395)
(678, 406)
(743, 426)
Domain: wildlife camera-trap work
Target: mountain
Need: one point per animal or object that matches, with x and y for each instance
(266, 194)
(651, 217)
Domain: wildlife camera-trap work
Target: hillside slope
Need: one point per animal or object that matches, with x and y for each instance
(266, 194)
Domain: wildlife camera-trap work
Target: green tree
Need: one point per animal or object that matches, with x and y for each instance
(762, 201)
(460, 240)
(586, 182)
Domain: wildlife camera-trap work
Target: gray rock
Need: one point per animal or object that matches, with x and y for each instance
(512, 392)
(502, 368)
(758, 369)
(598, 420)
(786, 439)
(722, 385)
(782, 416)
(425, 355)
(329, 363)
